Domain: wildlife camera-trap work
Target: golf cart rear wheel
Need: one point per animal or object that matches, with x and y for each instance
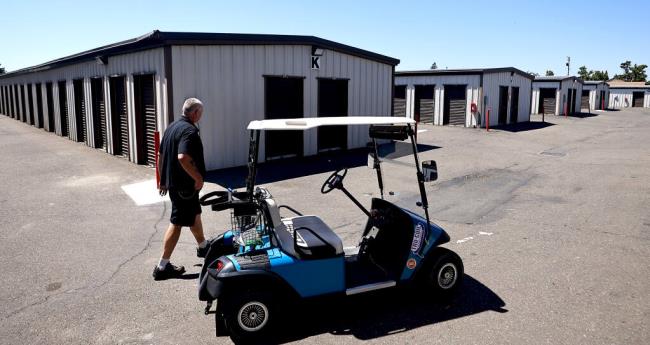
(249, 316)
(445, 274)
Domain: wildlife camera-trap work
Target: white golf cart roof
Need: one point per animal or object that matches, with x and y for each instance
(304, 123)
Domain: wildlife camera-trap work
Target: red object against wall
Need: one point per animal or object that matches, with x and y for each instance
(487, 123)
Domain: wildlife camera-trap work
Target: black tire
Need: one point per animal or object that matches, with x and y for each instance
(249, 316)
(444, 275)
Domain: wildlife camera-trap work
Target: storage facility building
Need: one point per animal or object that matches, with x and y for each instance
(596, 94)
(115, 97)
(446, 97)
(628, 94)
(557, 95)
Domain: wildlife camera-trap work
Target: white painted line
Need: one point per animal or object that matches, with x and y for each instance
(144, 193)
(465, 239)
(485, 233)
(422, 130)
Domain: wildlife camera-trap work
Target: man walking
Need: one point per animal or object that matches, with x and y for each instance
(182, 170)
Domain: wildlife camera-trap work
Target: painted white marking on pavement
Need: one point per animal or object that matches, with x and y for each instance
(144, 193)
(465, 239)
(422, 130)
(485, 233)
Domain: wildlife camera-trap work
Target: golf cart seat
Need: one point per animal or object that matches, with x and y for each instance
(315, 239)
(309, 246)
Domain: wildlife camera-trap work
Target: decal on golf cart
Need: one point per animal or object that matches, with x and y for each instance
(418, 238)
(411, 263)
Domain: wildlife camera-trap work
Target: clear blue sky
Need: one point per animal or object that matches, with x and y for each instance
(530, 35)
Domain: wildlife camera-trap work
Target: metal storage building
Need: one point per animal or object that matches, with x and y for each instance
(557, 95)
(596, 94)
(628, 94)
(115, 97)
(445, 97)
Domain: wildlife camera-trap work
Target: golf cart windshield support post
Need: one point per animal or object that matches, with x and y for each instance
(423, 193)
(253, 151)
(355, 201)
(377, 167)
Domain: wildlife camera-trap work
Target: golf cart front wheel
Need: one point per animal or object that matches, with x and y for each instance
(446, 273)
(249, 316)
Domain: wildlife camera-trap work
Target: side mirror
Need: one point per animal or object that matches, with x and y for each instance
(430, 171)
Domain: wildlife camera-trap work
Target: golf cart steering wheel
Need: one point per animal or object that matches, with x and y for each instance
(334, 181)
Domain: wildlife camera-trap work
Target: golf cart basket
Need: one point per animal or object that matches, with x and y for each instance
(248, 227)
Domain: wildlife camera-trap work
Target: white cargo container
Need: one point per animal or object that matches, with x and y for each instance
(115, 97)
(463, 96)
(557, 95)
(596, 93)
(628, 94)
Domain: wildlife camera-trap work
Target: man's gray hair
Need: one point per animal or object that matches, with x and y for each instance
(190, 105)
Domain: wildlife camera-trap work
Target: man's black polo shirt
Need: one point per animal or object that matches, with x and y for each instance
(180, 137)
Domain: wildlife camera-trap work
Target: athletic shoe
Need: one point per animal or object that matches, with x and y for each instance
(202, 252)
(170, 271)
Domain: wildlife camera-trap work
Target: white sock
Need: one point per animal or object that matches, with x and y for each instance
(162, 263)
(203, 244)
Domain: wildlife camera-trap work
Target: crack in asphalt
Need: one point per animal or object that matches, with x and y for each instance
(96, 286)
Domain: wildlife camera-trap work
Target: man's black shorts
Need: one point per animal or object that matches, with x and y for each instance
(185, 207)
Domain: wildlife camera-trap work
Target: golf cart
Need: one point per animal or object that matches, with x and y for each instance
(266, 259)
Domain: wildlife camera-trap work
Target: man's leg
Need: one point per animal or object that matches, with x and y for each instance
(170, 240)
(165, 269)
(197, 229)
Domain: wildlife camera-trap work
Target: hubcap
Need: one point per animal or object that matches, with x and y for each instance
(447, 276)
(253, 316)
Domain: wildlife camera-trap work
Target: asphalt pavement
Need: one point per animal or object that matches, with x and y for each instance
(551, 219)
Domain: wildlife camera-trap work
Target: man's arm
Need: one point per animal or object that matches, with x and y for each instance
(162, 190)
(190, 168)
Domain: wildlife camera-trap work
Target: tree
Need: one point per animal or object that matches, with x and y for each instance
(549, 73)
(638, 72)
(632, 72)
(583, 73)
(600, 75)
(535, 74)
(2, 70)
(434, 66)
(626, 76)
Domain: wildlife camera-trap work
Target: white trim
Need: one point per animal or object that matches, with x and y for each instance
(370, 287)
(313, 122)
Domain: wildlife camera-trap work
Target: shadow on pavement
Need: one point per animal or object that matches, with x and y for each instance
(583, 115)
(285, 169)
(188, 276)
(386, 313)
(524, 126)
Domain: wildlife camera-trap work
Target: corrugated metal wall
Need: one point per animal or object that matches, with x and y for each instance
(622, 98)
(564, 94)
(230, 82)
(536, 85)
(594, 95)
(148, 61)
(491, 84)
(490, 90)
(473, 83)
